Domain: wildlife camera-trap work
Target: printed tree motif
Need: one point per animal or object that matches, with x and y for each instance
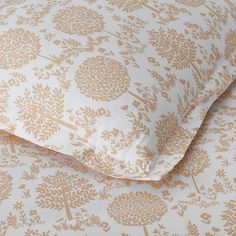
(104, 79)
(137, 209)
(230, 49)
(131, 5)
(98, 161)
(17, 48)
(81, 220)
(7, 139)
(5, 186)
(63, 190)
(195, 161)
(198, 3)
(77, 20)
(11, 140)
(229, 216)
(178, 51)
(168, 12)
(41, 111)
(172, 139)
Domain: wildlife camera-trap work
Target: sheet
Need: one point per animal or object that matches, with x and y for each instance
(44, 193)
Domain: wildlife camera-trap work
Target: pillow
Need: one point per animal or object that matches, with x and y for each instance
(121, 85)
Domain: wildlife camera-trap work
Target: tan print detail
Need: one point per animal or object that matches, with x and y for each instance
(178, 51)
(78, 20)
(104, 79)
(137, 209)
(5, 186)
(229, 216)
(198, 3)
(41, 111)
(230, 50)
(60, 190)
(99, 161)
(41, 170)
(131, 5)
(171, 138)
(195, 162)
(142, 68)
(17, 48)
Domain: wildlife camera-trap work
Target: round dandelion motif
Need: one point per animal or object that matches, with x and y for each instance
(137, 209)
(77, 20)
(102, 79)
(17, 48)
(230, 49)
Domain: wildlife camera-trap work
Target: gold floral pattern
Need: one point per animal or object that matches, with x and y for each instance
(101, 163)
(5, 186)
(130, 89)
(214, 10)
(229, 216)
(230, 52)
(172, 138)
(129, 5)
(192, 3)
(64, 191)
(78, 20)
(196, 162)
(118, 85)
(47, 193)
(45, 119)
(17, 48)
(179, 51)
(102, 79)
(137, 209)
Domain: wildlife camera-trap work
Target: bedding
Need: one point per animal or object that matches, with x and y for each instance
(45, 193)
(121, 85)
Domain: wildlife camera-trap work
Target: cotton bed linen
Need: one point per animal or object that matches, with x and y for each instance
(91, 90)
(123, 86)
(44, 193)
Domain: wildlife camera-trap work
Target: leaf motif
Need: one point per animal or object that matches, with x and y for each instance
(192, 229)
(62, 190)
(41, 111)
(5, 186)
(172, 139)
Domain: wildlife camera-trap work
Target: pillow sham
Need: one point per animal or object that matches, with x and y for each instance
(121, 85)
